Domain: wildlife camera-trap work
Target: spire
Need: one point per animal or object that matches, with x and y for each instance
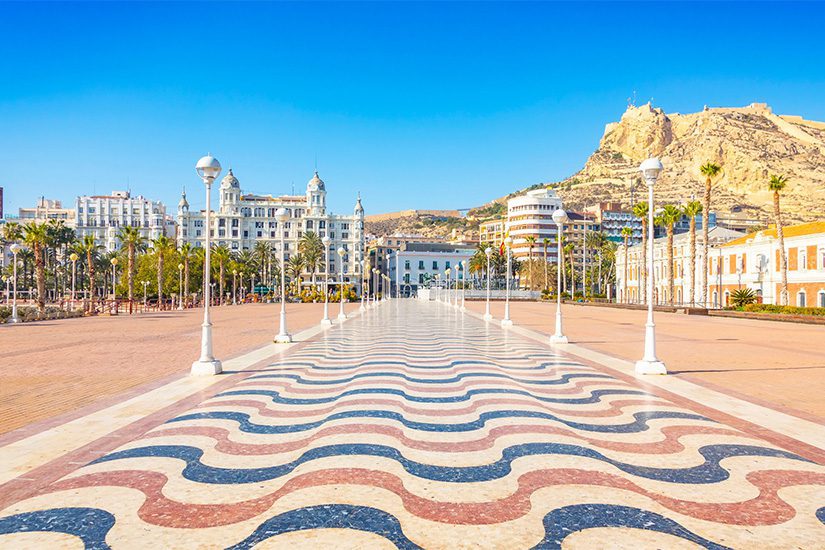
(183, 203)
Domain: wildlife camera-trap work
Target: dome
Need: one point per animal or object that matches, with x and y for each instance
(183, 203)
(230, 181)
(316, 183)
(359, 208)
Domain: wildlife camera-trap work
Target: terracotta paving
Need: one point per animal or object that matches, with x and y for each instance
(417, 426)
(781, 364)
(56, 367)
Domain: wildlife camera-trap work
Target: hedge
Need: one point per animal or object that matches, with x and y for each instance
(787, 310)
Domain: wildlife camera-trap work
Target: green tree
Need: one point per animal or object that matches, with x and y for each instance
(36, 237)
(311, 249)
(131, 242)
(691, 210)
(668, 217)
(186, 255)
(90, 250)
(222, 256)
(546, 244)
(640, 210)
(162, 246)
(530, 240)
(777, 184)
(627, 232)
(710, 170)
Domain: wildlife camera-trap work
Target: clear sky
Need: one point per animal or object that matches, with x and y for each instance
(415, 105)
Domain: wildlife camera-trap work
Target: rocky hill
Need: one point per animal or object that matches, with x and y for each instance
(749, 143)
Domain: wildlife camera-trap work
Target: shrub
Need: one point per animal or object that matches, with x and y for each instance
(786, 310)
(743, 297)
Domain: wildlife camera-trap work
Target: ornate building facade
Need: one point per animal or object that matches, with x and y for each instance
(244, 219)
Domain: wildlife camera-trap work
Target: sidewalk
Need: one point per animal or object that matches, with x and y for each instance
(781, 364)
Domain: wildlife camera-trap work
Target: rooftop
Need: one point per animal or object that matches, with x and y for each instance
(800, 230)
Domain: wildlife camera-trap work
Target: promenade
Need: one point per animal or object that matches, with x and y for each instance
(416, 425)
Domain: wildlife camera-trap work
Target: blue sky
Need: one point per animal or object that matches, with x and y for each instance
(415, 105)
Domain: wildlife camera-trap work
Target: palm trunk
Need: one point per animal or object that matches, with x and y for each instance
(691, 290)
(670, 278)
(643, 267)
(220, 283)
(705, 222)
(40, 267)
(186, 281)
(160, 279)
(783, 258)
(545, 266)
(131, 267)
(624, 294)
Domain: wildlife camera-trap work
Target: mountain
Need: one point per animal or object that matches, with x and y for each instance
(749, 143)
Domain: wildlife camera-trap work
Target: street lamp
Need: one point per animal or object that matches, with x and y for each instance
(283, 337)
(180, 286)
(507, 322)
(397, 274)
(559, 217)
(15, 248)
(145, 284)
(234, 287)
(386, 277)
(365, 266)
(341, 315)
(74, 257)
(455, 285)
(463, 286)
(650, 364)
(487, 315)
(208, 168)
(448, 278)
(326, 321)
(113, 261)
(375, 273)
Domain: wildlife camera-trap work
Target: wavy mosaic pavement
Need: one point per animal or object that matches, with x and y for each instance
(415, 426)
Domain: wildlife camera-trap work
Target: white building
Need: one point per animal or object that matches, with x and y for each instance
(104, 215)
(418, 263)
(243, 219)
(531, 215)
(47, 210)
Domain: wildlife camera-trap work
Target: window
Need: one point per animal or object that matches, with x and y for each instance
(420, 264)
(801, 299)
(407, 266)
(821, 298)
(435, 265)
(447, 264)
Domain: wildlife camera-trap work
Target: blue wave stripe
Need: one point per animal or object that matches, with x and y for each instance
(639, 423)
(563, 379)
(595, 396)
(91, 525)
(710, 471)
(562, 522)
(330, 516)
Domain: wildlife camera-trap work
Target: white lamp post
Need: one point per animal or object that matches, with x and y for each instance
(487, 315)
(507, 322)
(455, 285)
(375, 286)
(463, 286)
(397, 274)
(388, 290)
(650, 364)
(447, 278)
(365, 267)
(234, 287)
(145, 284)
(180, 286)
(437, 276)
(326, 321)
(283, 337)
(208, 168)
(74, 257)
(113, 261)
(341, 315)
(559, 217)
(15, 248)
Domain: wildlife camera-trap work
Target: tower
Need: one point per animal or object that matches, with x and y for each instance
(230, 196)
(316, 196)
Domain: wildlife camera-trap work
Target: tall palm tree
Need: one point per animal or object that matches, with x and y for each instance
(710, 170)
(186, 254)
(627, 232)
(132, 242)
(668, 217)
(531, 240)
(777, 184)
(295, 267)
(568, 250)
(222, 256)
(546, 244)
(311, 248)
(262, 253)
(691, 210)
(640, 210)
(36, 237)
(89, 248)
(161, 246)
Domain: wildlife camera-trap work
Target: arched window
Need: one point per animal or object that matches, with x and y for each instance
(715, 299)
(727, 298)
(821, 301)
(801, 298)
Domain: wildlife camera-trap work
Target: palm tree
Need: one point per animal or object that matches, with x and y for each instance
(262, 253)
(161, 246)
(568, 250)
(531, 240)
(627, 232)
(668, 217)
(186, 254)
(36, 237)
(777, 184)
(222, 255)
(89, 248)
(546, 243)
(131, 241)
(710, 170)
(691, 210)
(295, 266)
(311, 248)
(640, 210)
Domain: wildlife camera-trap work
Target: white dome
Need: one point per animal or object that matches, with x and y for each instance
(316, 183)
(230, 181)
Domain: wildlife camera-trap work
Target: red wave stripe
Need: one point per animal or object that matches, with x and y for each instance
(765, 509)
(615, 409)
(576, 387)
(670, 444)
